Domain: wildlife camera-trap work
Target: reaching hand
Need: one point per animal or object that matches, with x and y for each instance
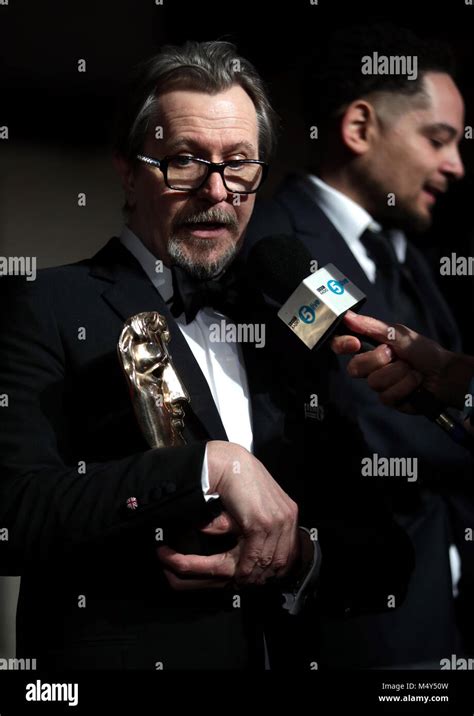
(404, 360)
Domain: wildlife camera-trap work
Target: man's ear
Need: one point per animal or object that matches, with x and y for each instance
(127, 176)
(357, 125)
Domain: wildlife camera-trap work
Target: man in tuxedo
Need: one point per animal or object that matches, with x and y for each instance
(387, 147)
(172, 557)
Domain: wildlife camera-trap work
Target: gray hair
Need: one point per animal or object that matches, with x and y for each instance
(203, 66)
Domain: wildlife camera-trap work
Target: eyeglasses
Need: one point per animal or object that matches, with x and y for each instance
(183, 173)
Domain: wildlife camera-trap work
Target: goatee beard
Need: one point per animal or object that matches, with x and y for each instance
(201, 268)
(192, 253)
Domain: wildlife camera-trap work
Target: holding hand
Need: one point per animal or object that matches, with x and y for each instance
(404, 360)
(257, 510)
(190, 571)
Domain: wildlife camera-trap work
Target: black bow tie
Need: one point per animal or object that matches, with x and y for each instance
(190, 294)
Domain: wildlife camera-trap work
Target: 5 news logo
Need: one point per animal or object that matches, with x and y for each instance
(336, 287)
(307, 313)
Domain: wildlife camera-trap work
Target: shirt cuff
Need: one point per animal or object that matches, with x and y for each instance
(205, 481)
(295, 600)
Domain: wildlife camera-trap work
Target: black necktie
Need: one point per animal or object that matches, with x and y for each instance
(395, 282)
(190, 294)
(380, 249)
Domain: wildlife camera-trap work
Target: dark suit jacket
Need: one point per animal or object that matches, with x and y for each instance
(436, 509)
(71, 454)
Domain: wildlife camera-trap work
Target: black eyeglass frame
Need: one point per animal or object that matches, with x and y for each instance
(218, 167)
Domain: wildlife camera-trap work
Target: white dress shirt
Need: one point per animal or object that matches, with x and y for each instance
(351, 220)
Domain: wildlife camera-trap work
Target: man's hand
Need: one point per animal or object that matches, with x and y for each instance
(194, 571)
(263, 513)
(190, 571)
(257, 510)
(404, 360)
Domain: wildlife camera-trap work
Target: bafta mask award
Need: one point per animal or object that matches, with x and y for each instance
(157, 393)
(159, 399)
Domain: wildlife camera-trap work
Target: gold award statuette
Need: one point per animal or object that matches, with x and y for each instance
(156, 391)
(159, 398)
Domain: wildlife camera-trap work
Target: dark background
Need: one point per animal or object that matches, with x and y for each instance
(59, 119)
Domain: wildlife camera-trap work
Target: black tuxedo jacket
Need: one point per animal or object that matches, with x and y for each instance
(438, 508)
(71, 454)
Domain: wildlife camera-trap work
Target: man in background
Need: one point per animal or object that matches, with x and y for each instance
(388, 118)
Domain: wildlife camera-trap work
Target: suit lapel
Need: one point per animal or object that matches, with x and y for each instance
(264, 376)
(439, 318)
(129, 292)
(310, 221)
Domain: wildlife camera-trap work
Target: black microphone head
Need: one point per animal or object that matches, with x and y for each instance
(278, 264)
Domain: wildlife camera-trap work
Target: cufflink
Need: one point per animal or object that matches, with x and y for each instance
(132, 503)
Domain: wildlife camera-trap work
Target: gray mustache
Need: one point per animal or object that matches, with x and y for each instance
(213, 216)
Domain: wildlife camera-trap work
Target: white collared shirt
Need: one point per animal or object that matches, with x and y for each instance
(351, 220)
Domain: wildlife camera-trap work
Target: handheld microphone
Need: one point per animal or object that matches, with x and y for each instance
(318, 300)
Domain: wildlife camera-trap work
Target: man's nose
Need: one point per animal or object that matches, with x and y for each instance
(213, 188)
(454, 165)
